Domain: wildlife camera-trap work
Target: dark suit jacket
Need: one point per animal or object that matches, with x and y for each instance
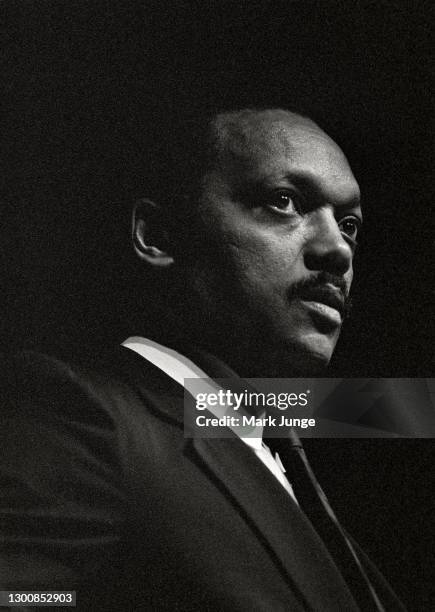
(102, 493)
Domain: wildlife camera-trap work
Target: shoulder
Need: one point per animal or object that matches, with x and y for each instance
(38, 383)
(91, 375)
(67, 420)
(62, 462)
(97, 390)
(67, 412)
(55, 417)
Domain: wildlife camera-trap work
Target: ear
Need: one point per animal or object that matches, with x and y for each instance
(149, 234)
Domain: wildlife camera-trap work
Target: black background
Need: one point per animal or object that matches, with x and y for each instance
(86, 84)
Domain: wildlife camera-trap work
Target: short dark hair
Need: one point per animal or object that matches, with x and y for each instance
(177, 153)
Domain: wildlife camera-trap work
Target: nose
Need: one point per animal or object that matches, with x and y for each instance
(326, 249)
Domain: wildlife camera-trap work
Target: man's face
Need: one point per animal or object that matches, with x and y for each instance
(279, 215)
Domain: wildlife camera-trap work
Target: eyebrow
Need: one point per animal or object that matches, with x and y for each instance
(305, 180)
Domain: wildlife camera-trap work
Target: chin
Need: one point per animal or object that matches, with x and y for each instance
(308, 355)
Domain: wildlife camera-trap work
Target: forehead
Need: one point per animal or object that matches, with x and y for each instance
(273, 145)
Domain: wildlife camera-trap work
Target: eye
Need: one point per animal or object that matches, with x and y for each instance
(282, 203)
(349, 226)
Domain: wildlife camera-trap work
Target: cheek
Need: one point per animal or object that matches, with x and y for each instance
(260, 267)
(247, 263)
(252, 272)
(264, 260)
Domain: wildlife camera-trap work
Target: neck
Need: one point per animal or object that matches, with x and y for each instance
(250, 362)
(247, 359)
(248, 356)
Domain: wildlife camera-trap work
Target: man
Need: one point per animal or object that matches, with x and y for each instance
(101, 491)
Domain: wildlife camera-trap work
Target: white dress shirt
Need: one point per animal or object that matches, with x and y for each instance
(179, 367)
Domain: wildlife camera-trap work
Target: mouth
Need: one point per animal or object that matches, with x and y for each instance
(326, 305)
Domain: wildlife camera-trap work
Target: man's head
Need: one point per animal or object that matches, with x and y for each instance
(260, 260)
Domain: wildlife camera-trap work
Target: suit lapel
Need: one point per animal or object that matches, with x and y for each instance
(277, 521)
(273, 516)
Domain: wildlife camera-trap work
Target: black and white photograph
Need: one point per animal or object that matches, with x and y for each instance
(204, 204)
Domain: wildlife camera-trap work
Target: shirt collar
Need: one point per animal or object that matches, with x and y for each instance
(179, 367)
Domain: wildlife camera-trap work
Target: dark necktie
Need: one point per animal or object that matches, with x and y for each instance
(312, 500)
(315, 505)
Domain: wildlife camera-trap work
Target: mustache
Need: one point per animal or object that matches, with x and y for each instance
(318, 286)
